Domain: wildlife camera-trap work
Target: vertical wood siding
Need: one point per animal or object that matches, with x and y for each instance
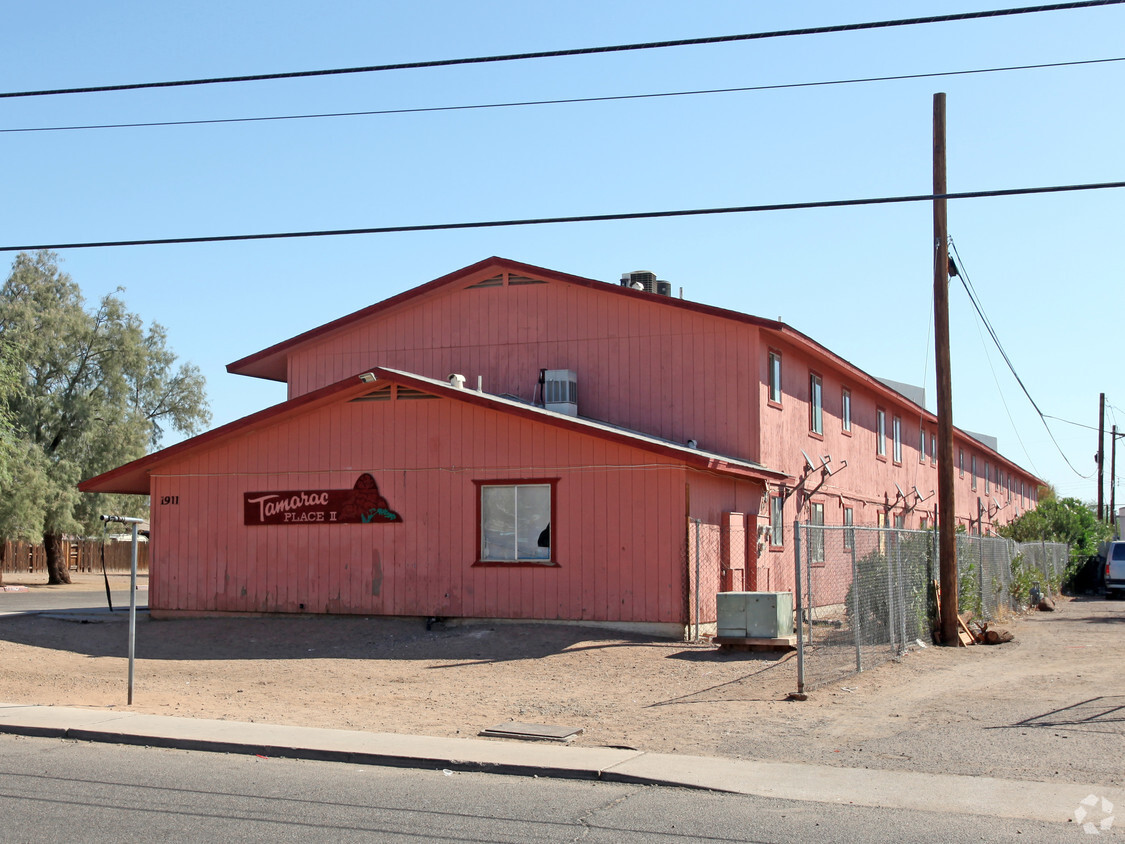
(867, 485)
(618, 531)
(641, 364)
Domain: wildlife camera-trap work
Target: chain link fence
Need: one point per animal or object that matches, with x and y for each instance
(867, 595)
(997, 575)
(716, 557)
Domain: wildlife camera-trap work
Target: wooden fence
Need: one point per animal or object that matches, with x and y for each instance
(85, 555)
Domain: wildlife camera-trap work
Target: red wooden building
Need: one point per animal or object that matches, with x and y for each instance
(508, 441)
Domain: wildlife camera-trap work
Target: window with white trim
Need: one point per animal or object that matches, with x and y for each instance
(515, 522)
(816, 532)
(816, 406)
(849, 530)
(777, 528)
(846, 409)
(973, 471)
(896, 430)
(775, 377)
(881, 432)
(987, 479)
(921, 445)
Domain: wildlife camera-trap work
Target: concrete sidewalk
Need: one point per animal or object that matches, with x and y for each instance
(1043, 801)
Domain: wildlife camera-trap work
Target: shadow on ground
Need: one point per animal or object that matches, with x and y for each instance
(327, 637)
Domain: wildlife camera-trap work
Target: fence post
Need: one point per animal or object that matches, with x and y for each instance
(800, 608)
(900, 593)
(856, 623)
(699, 585)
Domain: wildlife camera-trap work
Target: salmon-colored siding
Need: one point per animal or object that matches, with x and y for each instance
(868, 483)
(618, 538)
(670, 372)
(624, 504)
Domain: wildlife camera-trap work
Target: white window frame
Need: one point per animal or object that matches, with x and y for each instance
(774, 376)
(777, 521)
(896, 432)
(816, 404)
(816, 531)
(880, 432)
(846, 409)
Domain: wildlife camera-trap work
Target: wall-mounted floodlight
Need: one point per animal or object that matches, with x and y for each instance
(367, 378)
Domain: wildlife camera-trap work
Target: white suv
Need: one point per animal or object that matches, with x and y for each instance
(1115, 567)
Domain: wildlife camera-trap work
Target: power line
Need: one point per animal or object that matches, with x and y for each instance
(971, 291)
(586, 218)
(580, 51)
(566, 101)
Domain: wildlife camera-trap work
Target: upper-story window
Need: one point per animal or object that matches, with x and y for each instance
(933, 448)
(987, 479)
(896, 430)
(846, 409)
(961, 462)
(881, 432)
(775, 377)
(816, 406)
(973, 471)
(921, 445)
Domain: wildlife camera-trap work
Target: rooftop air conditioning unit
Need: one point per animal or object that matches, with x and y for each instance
(754, 615)
(644, 278)
(560, 391)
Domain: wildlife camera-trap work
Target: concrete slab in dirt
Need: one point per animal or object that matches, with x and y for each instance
(531, 732)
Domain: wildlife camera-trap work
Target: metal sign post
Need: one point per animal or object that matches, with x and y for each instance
(132, 596)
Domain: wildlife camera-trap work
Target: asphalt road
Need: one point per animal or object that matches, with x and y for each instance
(58, 790)
(48, 600)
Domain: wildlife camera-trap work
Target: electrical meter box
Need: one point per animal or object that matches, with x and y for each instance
(754, 615)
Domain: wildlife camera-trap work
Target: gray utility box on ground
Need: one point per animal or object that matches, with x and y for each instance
(754, 615)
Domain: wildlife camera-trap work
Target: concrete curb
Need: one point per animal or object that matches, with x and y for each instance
(985, 796)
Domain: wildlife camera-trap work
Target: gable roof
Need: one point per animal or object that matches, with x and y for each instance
(271, 363)
(133, 478)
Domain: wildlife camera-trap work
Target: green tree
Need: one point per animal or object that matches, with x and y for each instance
(1060, 520)
(93, 389)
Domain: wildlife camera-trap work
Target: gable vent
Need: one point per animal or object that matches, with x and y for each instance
(411, 393)
(495, 281)
(380, 394)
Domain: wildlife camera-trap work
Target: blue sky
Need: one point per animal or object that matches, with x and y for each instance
(1048, 269)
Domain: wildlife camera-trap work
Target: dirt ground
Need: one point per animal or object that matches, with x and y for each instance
(1050, 705)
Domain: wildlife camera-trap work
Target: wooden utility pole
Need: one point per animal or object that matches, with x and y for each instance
(1101, 456)
(947, 532)
(1113, 476)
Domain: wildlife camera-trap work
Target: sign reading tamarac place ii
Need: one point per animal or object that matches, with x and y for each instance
(362, 504)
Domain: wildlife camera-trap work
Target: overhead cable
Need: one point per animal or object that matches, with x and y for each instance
(971, 291)
(579, 51)
(566, 101)
(585, 218)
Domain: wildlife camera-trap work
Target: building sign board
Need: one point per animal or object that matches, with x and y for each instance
(362, 504)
